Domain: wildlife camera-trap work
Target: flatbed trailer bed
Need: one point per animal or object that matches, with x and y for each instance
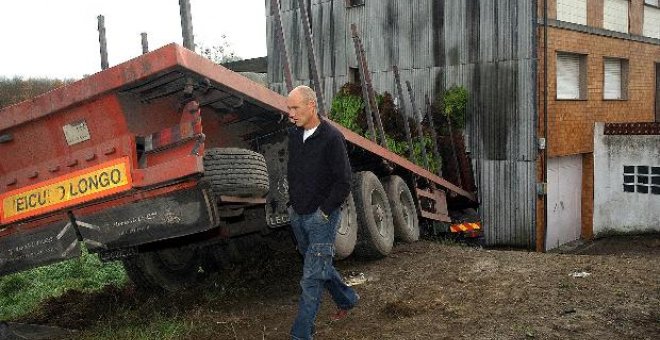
(152, 119)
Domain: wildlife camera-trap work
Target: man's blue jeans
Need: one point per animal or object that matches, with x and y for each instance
(316, 238)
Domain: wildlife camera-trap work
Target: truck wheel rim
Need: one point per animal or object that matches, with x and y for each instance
(405, 210)
(343, 225)
(378, 212)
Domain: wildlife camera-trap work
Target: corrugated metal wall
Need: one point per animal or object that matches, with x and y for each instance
(486, 46)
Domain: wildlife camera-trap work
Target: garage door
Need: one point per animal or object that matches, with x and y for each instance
(564, 200)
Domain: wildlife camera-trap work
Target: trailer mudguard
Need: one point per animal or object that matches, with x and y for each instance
(179, 214)
(35, 247)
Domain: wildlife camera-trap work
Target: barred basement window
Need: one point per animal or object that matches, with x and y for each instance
(628, 178)
(655, 180)
(641, 179)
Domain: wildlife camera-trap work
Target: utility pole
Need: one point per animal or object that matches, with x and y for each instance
(102, 42)
(186, 25)
(145, 43)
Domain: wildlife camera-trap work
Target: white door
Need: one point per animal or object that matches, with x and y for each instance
(564, 200)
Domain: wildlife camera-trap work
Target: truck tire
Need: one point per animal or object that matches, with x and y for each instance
(404, 213)
(165, 270)
(215, 258)
(242, 248)
(375, 236)
(346, 236)
(236, 172)
(220, 256)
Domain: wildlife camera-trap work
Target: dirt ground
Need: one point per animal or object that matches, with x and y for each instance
(608, 289)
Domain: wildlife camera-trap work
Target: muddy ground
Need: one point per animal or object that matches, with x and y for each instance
(428, 290)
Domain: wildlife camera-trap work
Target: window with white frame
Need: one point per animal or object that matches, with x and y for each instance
(652, 19)
(615, 78)
(571, 76)
(574, 11)
(615, 15)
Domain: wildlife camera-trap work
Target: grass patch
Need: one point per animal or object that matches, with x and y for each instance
(158, 326)
(21, 293)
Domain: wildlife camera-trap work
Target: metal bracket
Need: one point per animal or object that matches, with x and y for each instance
(542, 143)
(542, 189)
(6, 138)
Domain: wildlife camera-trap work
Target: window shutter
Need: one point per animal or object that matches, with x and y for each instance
(568, 76)
(612, 86)
(615, 15)
(652, 22)
(572, 11)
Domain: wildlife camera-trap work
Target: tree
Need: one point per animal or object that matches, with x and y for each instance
(17, 89)
(220, 53)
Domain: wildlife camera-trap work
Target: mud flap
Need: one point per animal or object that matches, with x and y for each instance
(37, 247)
(275, 149)
(182, 213)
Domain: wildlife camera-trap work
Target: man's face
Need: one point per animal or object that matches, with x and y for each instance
(301, 111)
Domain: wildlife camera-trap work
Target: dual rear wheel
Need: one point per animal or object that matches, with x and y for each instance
(384, 210)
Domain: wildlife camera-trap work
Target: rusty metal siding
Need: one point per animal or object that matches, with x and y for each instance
(404, 34)
(486, 46)
(421, 33)
(504, 126)
(340, 65)
(357, 16)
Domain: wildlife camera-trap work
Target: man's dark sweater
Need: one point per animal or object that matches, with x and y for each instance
(319, 173)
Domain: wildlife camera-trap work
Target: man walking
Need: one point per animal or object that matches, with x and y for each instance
(319, 177)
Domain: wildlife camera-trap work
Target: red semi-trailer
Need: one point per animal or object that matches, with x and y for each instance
(168, 161)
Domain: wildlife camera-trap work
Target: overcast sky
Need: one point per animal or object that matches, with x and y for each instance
(59, 38)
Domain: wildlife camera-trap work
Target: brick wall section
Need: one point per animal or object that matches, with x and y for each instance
(552, 9)
(570, 122)
(595, 9)
(587, 208)
(636, 16)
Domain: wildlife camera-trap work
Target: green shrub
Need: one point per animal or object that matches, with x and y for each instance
(17, 89)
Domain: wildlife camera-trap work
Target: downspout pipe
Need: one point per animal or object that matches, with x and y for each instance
(545, 122)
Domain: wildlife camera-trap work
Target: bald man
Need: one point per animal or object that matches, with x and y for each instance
(319, 177)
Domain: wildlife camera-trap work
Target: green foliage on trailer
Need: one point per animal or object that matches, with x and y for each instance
(452, 105)
(348, 110)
